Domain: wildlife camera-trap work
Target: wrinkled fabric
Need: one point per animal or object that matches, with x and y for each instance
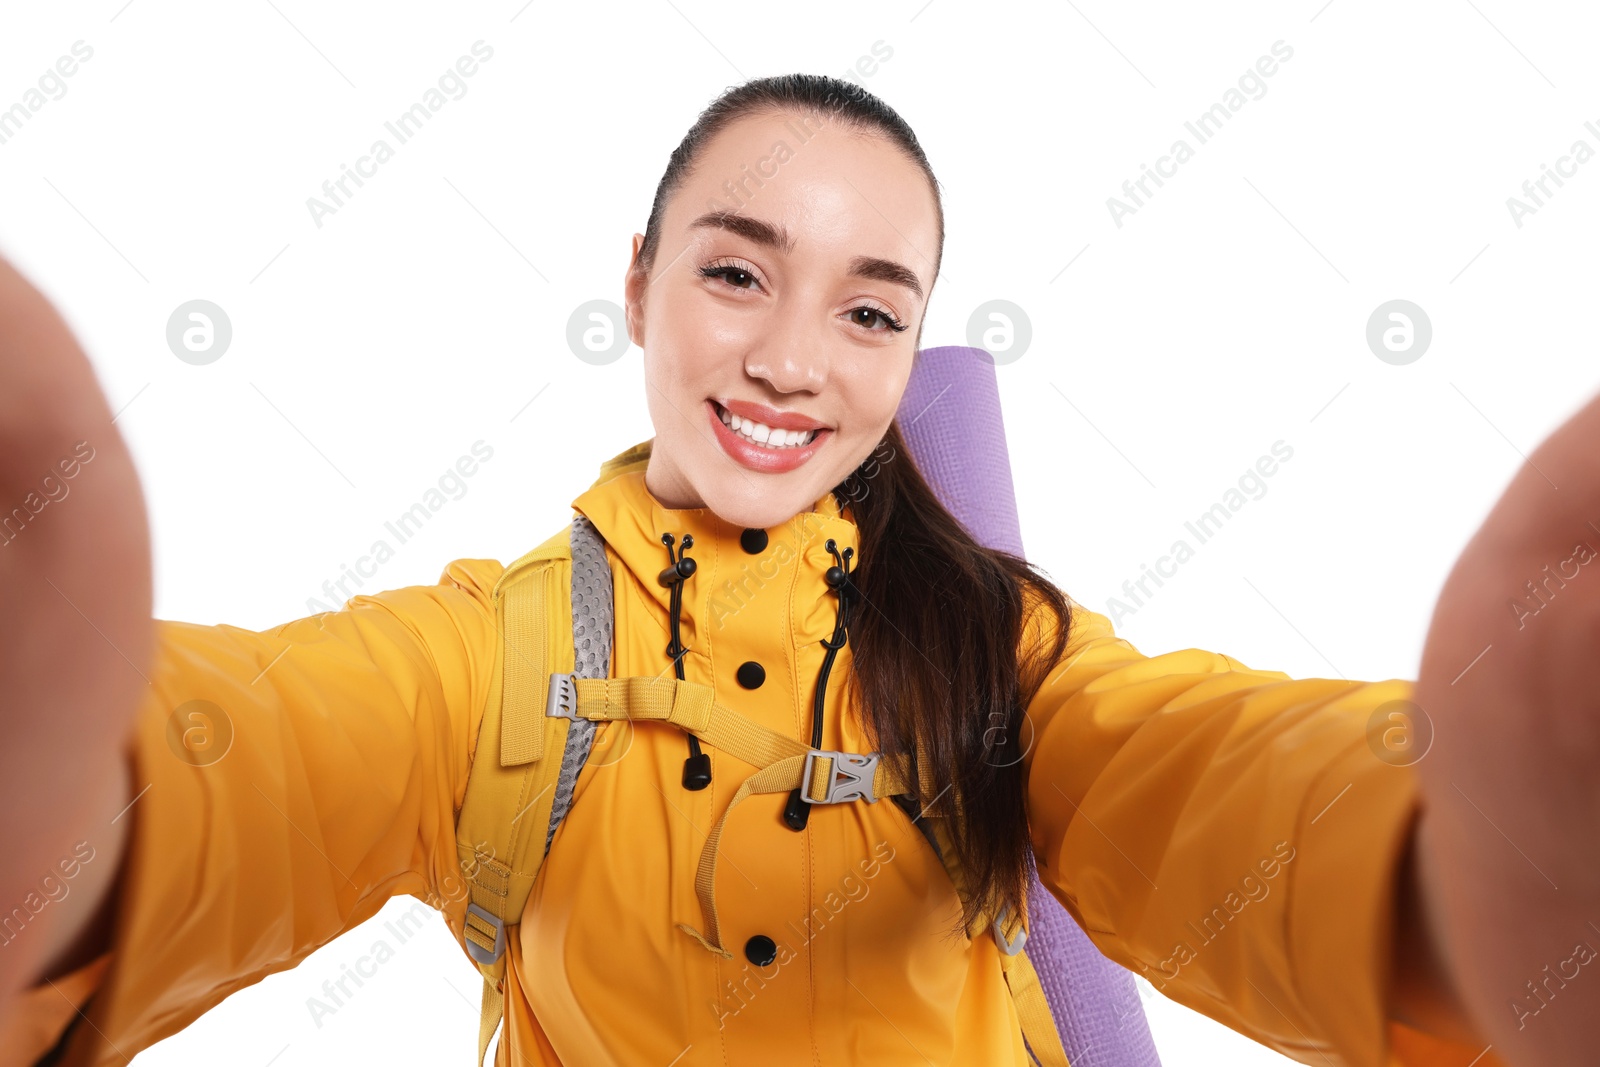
(1225, 832)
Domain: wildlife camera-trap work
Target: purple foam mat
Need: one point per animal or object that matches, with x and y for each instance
(951, 420)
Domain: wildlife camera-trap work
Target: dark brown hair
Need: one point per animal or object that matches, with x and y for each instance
(947, 687)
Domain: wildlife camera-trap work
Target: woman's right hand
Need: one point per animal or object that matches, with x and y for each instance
(75, 642)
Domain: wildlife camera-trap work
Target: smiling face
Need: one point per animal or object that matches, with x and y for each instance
(788, 290)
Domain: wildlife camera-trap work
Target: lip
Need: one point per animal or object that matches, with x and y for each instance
(778, 420)
(758, 457)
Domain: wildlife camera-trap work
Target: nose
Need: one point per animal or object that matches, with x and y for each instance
(793, 355)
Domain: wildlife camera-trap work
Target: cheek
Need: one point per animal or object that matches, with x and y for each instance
(726, 329)
(697, 347)
(875, 391)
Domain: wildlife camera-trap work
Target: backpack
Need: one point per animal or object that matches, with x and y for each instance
(550, 687)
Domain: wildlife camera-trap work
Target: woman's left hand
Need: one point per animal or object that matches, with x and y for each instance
(1510, 681)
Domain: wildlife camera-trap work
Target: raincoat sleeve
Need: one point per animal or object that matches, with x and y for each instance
(1232, 836)
(289, 782)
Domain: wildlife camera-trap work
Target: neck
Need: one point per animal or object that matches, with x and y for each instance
(668, 486)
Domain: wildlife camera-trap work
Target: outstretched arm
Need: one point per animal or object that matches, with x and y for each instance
(1437, 909)
(252, 795)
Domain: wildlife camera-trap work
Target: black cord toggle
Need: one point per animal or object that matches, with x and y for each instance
(697, 767)
(681, 567)
(797, 812)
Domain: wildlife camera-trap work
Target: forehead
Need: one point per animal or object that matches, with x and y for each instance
(836, 188)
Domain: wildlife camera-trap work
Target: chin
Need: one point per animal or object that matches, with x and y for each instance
(741, 506)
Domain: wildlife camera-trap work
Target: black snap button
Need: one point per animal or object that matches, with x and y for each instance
(761, 950)
(753, 541)
(751, 674)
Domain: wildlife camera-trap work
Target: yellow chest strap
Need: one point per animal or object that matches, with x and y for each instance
(823, 777)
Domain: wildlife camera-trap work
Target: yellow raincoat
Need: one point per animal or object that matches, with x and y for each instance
(1225, 832)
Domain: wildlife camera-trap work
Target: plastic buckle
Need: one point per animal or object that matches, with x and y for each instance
(1012, 946)
(851, 779)
(563, 700)
(478, 953)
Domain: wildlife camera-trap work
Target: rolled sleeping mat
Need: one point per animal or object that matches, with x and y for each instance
(950, 418)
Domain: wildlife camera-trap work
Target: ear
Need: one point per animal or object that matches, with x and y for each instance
(634, 285)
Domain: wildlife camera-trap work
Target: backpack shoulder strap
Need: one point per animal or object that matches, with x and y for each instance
(553, 609)
(593, 621)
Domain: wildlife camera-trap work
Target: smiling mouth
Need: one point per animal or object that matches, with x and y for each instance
(763, 435)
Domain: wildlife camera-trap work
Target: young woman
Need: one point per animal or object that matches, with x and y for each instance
(778, 294)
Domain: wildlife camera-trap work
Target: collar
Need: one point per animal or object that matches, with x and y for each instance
(729, 576)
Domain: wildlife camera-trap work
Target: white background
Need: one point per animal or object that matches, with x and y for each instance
(430, 311)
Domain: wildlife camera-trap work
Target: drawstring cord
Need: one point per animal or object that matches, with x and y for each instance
(697, 767)
(796, 812)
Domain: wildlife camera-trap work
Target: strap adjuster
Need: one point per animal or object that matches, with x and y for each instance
(478, 953)
(851, 778)
(1010, 946)
(562, 702)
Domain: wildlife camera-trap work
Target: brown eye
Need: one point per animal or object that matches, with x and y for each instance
(866, 317)
(734, 276)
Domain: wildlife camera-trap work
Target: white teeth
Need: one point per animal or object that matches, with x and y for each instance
(766, 435)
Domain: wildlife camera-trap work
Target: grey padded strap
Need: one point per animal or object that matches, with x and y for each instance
(592, 621)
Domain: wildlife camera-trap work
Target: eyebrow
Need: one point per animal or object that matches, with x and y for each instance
(762, 233)
(885, 270)
(770, 236)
